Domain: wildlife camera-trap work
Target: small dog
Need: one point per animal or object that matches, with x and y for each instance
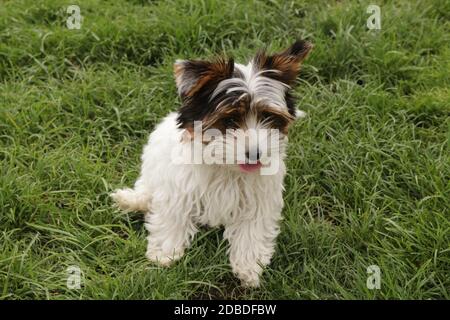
(233, 121)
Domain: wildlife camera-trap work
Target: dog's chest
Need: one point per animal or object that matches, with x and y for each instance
(219, 202)
(225, 199)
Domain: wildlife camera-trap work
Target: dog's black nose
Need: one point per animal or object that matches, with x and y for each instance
(253, 155)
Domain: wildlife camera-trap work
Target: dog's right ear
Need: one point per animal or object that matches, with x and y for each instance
(193, 75)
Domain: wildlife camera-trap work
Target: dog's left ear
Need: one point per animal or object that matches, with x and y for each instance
(194, 76)
(286, 64)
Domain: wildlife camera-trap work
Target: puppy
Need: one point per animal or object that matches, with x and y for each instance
(219, 160)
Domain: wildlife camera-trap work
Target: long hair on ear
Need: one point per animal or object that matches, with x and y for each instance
(196, 81)
(286, 63)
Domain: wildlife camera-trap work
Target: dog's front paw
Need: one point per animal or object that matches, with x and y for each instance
(163, 259)
(249, 276)
(250, 282)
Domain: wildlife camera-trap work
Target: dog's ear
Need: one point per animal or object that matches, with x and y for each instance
(191, 76)
(196, 81)
(286, 64)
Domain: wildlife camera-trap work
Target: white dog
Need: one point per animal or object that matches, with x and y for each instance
(243, 112)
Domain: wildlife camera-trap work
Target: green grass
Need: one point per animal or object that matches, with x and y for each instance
(369, 169)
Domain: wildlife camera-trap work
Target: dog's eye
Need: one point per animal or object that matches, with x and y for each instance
(274, 120)
(266, 117)
(229, 122)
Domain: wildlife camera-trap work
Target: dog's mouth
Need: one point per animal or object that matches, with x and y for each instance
(247, 167)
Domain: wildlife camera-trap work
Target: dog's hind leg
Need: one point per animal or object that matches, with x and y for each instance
(136, 199)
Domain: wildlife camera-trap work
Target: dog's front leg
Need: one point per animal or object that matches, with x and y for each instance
(171, 229)
(252, 243)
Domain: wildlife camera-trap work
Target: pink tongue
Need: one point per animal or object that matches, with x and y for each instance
(250, 167)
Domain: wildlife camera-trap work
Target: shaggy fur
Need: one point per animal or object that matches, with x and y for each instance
(178, 197)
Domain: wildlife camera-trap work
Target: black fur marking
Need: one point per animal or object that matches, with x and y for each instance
(199, 79)
(287, 62)
(205, 77)
(299, 49)
(290, 103)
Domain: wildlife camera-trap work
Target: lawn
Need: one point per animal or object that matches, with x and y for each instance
(368, 170)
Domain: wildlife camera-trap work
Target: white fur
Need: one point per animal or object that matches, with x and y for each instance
(179, 197)
(260, 88)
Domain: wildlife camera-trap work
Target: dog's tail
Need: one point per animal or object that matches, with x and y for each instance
(132, 199)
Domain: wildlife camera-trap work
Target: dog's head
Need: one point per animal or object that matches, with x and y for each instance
(242, 112)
